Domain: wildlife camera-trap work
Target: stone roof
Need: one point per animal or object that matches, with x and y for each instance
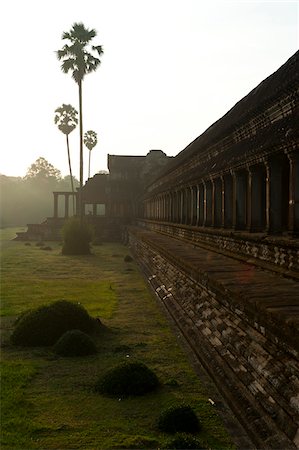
(286, 76)
(120, 163)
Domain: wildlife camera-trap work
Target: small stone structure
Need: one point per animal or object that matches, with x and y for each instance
(110, 201)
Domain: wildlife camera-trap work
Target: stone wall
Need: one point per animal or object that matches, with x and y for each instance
(279, 253)
(253, 367)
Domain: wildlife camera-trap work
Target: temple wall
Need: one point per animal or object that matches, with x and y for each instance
(253, 363)
(276, 253)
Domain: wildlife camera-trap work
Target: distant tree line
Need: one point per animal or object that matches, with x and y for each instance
(29, 199)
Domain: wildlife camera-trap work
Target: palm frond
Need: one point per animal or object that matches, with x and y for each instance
(75, 56)
(99, 49)
(68, 64)
(67, 118)
(90, 139)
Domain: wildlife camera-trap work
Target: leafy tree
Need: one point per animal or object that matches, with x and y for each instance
(66, 182)
(77, 56)
(66, 118)
(42, 169)
(90, 141)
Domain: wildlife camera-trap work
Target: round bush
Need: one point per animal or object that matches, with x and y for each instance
(129, 378)
(76, 238)
(45, 325)
(185, 441)
(128, 258)
(180, 418)
(75, 343)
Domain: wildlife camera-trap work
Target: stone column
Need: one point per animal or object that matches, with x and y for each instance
(241, 199)
(55, 204)
(278, 175)
(222, 202)
(197, 205)
(256, 198)
(212, 202)
(293, 219)
(229, 200)
(208, 203)
(186, 205)
(218, 202)
(182, 203)
(204, 196)
(66, 206)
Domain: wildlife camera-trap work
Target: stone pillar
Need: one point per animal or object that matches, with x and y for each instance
(175, 207)
(229, 200)
(197, 205)
(66, 206)
(55, 204)
(240, 199)
(293, 215)
(256, 198)
(218, 202)
(208, 203)
(212, 202)
(187, 206)
(277, 194)
(77, 204)
(222, 202)
(181, 219)
(202, 206)
(234, 202)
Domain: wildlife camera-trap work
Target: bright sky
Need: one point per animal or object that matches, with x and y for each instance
(170, 69)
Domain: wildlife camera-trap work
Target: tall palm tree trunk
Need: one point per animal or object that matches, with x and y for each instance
(89, 164)
(71, 175)
(81, 151)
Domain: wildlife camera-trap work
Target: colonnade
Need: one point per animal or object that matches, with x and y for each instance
(66, 196)
(262, 197)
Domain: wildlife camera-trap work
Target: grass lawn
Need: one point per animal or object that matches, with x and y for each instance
(48, 401)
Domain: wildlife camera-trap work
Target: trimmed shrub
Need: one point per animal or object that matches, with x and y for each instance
(185, 441)
(46, 248)
(75, 343)
(128, 258)
(76, 238)
(178, 418)
(44, 326)
(129, 378)
(40, 244)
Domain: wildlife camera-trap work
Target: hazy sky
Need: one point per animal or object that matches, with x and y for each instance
(170, 69)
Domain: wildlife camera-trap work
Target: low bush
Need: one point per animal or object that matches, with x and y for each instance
(44, 325)
(185, 441)
(128, 258)
(129, 378)
(75, 343)
(27, 243)
(40, 244)
(76, 238)
(178, 418)
(46, 248)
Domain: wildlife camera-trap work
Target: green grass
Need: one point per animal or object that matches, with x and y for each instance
(49, 401)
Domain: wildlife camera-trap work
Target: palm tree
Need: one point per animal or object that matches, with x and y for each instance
(77, 57)
(66, 118)
(90, 141)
